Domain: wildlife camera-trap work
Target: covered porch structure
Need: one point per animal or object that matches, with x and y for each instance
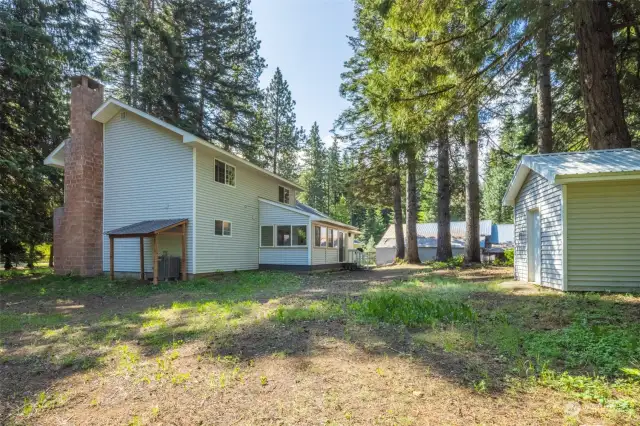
(150, 229)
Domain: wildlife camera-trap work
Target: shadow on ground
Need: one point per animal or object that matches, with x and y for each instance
(241, 326)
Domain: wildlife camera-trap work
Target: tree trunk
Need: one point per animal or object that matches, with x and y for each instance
(51, 256)
(412, 255)
(606, 126)
(31, 254)
(443, 251)
(543, 61)
(397, 205)
(472, 209)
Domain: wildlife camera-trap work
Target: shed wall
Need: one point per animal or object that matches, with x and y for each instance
(538, 193)
(603, 226)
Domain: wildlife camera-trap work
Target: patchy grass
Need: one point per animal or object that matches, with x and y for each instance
(446, 347)
(41, 283)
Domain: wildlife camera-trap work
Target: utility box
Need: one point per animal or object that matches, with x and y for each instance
(169, 267)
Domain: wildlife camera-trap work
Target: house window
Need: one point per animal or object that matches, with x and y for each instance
(283, 235)
(266, 236)
(283, 194)
(330, 238)
(323, 236)
(223, 228)
(316, 236)
(224, 173)
(299, 235)
(336, 237)
(288, 235)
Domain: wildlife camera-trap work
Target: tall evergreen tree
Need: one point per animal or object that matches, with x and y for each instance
(281, 137)
(606, 126)
(41, 46)
(313, 177)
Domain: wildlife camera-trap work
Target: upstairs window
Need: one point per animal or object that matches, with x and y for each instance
(283, 194)
(224, 173)
(222, 228)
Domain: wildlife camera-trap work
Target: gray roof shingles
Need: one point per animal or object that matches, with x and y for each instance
(145, 227)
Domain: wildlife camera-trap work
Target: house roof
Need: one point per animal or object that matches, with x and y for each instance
(147, 227)
(309, 209)
(56, 158)
(312, 213)
(113, 106)
(428, 234)
(567, 167)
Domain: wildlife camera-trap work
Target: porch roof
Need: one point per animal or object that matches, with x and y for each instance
(146, 227)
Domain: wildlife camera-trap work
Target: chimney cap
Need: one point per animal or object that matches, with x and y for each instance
(86, 81)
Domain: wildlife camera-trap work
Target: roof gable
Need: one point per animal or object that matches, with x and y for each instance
(112, 106)
(565, 165)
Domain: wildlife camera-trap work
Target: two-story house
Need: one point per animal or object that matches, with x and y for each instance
(137, 187)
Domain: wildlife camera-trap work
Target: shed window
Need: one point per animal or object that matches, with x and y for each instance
(266, 236)
(223, 228)
(283, 194)
(225, 173)
(323, 236)
(316, 236)
(330, 238)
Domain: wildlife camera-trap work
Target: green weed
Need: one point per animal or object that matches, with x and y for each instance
(412, 310)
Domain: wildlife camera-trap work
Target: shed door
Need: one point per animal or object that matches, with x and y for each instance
(533, 246)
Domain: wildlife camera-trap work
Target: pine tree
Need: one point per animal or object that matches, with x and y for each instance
(194, 64)
(314, 175)
(40, 48)
(281, 136)
(334, 177)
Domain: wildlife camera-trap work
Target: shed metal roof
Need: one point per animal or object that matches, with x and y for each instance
(146, 227)
(428, 234)
(557, 166)
(427, 230)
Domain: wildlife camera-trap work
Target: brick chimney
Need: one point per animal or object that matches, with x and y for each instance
(78, 234)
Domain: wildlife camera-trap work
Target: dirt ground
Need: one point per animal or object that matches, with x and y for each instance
(251, 370)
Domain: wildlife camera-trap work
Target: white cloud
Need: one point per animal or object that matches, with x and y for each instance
(328, 140)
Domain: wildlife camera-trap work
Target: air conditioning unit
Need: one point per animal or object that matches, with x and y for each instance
(169, 267)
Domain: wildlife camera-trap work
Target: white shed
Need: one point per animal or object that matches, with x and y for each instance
(577, 220)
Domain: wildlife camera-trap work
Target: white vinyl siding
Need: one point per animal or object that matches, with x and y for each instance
(603, 226)
(274, 215)
(237, 204)
(538, 193)
(328, 255)
(148, 174)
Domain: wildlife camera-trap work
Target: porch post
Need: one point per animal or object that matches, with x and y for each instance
(183, 264)
(141, 258)
(111, 245)
(155, 259)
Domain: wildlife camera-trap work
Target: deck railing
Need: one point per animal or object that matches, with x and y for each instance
(360, 258)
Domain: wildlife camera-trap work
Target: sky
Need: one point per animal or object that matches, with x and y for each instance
(307, 40)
